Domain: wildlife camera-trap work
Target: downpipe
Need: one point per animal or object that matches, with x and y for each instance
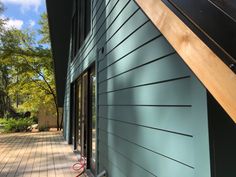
(102, 174)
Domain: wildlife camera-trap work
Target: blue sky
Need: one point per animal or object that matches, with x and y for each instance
(23, 13)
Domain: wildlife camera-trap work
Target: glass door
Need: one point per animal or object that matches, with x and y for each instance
(92, 121)
(72, 115)
(81, 111)
(85, 119)
(84, 115)
(77, 122)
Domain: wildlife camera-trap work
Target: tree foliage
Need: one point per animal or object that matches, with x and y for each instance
(4, 76)
(44, 30)
(1, 20)
(28, 68)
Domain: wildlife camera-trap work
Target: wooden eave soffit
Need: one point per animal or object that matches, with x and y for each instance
(207, 66)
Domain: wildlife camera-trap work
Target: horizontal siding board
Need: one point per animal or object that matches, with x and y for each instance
(174, 146)
(86, 64)
(100, 10)
(127, 29)
(167, 68)
(113, 11)
(140, 37)
(145, 128)
(176, 93)
(176, 119)
(94, 3)
(128, 167)
(104, 13)
(200, 129)
(121, 20)
(152, 162)
(158, 47)
(110, 15)
(99, 4)
(110, 168)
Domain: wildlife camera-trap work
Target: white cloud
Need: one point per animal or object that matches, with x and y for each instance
(31, 23)
(25, 4)
(12, 23)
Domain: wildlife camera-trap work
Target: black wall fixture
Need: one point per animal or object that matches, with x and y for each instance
(213, 21)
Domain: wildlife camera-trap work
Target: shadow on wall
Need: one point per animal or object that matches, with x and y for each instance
(115, 152)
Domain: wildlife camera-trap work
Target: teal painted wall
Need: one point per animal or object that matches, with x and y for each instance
(152, 110)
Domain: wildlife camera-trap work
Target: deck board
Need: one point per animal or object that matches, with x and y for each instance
(40, 154)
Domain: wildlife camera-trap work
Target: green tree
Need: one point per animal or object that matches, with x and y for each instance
(31, 67)
(44, 30)
(1, 20)
(4, 78)
(5, 105)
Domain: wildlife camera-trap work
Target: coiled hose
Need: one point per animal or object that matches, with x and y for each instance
(80, 166)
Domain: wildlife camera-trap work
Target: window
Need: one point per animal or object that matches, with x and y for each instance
(81, 23)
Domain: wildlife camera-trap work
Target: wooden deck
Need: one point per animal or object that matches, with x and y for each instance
(43, 154)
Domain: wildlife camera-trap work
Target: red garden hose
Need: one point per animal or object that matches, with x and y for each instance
(80, 166)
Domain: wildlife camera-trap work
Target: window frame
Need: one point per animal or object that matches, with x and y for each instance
(82, 14)
(80, 140)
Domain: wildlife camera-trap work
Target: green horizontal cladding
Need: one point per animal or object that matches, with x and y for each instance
(153, 72)
(152, 110)
(174, 92)
(154, 163)
(180, 148)
(138, 57)
(172, 119)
